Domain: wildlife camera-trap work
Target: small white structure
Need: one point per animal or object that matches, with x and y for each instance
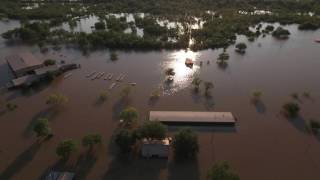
(155, 148)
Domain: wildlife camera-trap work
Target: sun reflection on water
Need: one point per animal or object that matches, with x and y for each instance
(183, 74)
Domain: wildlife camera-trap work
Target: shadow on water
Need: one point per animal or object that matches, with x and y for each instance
(153, 101)
(81, 167)
(50, 113)
(21, 161)
(142, 169)
(118, 106)
(205, 128)
(84, 164)
(260, 107)
(209, 102)
(196, 96)
(299, 123)
(184, 170)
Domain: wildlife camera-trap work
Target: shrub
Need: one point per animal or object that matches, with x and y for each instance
(124, 140)
(99, 26)
(241, 48)
(291, 109)
(11, 106)
(91, 140)
(153, 130)
(49, 62)
(222, 171)
(129, 115)
(66, 147)
(281, 33)
(41, 128)
(103, 96)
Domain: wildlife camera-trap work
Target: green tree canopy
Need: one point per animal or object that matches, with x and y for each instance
(241, 47)
(153, 129)
(222, 171)
(91, 139)
(124, 139)
(56, 99)
(66, 147)
(185, 144)
(41, 128)
(129, 115)
(291, 109)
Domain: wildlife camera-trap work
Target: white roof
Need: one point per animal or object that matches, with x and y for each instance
(192, 117)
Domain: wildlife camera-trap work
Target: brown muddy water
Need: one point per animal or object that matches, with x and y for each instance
(264, 145)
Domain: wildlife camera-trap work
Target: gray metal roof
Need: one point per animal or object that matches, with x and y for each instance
(22, 61)
(192, 117)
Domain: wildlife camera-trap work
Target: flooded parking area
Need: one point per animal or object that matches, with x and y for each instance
(263, 139)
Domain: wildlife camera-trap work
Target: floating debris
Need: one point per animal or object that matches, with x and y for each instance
(119, 77)
(122, 77)
(91, 74)
(100, 75)
(132, 83)
(112, 86)
(106, 77)
(110, 76)
(67, 75)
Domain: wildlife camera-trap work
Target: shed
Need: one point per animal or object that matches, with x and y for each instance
(155, 148)
(23, 64)
(192, 117)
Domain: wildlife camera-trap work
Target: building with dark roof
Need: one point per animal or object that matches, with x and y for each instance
(23, 64)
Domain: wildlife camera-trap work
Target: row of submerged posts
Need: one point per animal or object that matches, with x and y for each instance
(94, 75)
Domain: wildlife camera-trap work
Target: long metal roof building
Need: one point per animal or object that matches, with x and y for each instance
(192, 117)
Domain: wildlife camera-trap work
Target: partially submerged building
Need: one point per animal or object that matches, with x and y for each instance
(23, 64)
(28, 69)
(192, 117)
(155, 148)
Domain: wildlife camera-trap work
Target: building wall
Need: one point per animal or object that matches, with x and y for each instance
(26, 71)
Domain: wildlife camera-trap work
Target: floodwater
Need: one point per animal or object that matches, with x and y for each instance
(264, 145)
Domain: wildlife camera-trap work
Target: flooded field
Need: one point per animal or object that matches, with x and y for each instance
(264, 145)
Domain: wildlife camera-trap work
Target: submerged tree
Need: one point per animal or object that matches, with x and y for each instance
(125, 92)
(291, 109)
(91, 139)
(170, 72)
(208, 86)
(113, 56)
(66, 148)
(103, 96)
(56, 99)
(315, 126)
(241, 48)
(41, 128)
(256, 96)
(185, 144)
(124, 140)
(128, 115)
(100, 25)
(223, 58)
(11, 106)
(222, 171)
(155, 94)
(196, 84)
(281, 33)
(153, 130)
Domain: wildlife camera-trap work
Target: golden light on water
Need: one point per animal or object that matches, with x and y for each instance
(183, 74)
